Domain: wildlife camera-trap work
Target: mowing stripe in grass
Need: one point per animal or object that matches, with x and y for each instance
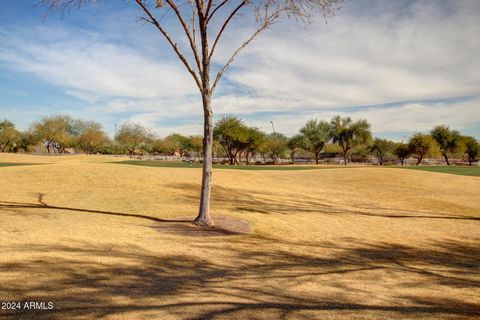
(11, 164)
(463, 171)
(177, 164)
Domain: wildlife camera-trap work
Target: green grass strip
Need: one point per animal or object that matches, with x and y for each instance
(11, 164)
(463, 171)
(179, 164)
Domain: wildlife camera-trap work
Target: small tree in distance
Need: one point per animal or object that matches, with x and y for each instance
(348, 134)
(276, 145)
(203, 21)
(472, 148)
(294, 144)
(132, 137)
(381, 148)
(402, 151)
(420, 146)
(230, 132)
(316, 134)
(448, 140)
(9, 136)
(91, 137)
(55, 132)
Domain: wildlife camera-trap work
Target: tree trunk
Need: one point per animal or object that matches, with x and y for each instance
(316, 158)
(235, 159)
(204, 218)
(446, 159)
(419, 160)
(345, 158)
(231, 157)
(403, 161)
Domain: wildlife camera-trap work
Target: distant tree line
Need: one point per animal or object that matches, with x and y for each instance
(239, 143)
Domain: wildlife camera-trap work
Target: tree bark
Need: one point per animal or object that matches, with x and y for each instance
(316, 158)
(204, 218)
(235, 159)
(446, 159)
(231, 156)
(419, 160)
(345, 158)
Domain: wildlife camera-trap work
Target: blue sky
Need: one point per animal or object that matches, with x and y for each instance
(403, 65)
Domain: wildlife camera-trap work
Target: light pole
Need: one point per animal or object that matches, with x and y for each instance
(274, 138)
(115, 141)
(273, 127)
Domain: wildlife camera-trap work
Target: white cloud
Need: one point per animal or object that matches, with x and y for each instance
(372, 53)
(88, 66)
(421, 117)
(429, 52)
(409, 117)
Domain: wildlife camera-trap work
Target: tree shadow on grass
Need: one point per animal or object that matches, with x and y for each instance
(88, 281)
(42, 205)
(242, 200)
(256, 281)
(225, 226)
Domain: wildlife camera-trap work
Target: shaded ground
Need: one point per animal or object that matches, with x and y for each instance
(464, 171)
(103, 241)
(9, 164)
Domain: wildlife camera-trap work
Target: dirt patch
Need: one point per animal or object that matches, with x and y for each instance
(224, 226)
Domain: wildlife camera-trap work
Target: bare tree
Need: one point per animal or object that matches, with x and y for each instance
(200, 22)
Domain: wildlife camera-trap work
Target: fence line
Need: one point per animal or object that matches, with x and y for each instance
(261, 160)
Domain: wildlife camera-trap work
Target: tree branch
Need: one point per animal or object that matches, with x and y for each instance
(199, 5)
(224, 26)
(180, 55)
(171, 3)
(209, 6)
(194, 30)
(215, 10)
(264, 26)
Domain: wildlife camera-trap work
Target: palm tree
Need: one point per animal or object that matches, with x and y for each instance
(348, 134)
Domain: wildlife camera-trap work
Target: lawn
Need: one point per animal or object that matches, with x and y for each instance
(464, 171)
(181, 164)
(104, 241)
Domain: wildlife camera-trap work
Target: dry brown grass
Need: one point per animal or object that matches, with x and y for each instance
(363, 243)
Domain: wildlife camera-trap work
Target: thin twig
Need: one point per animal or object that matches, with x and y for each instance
(175, 47)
